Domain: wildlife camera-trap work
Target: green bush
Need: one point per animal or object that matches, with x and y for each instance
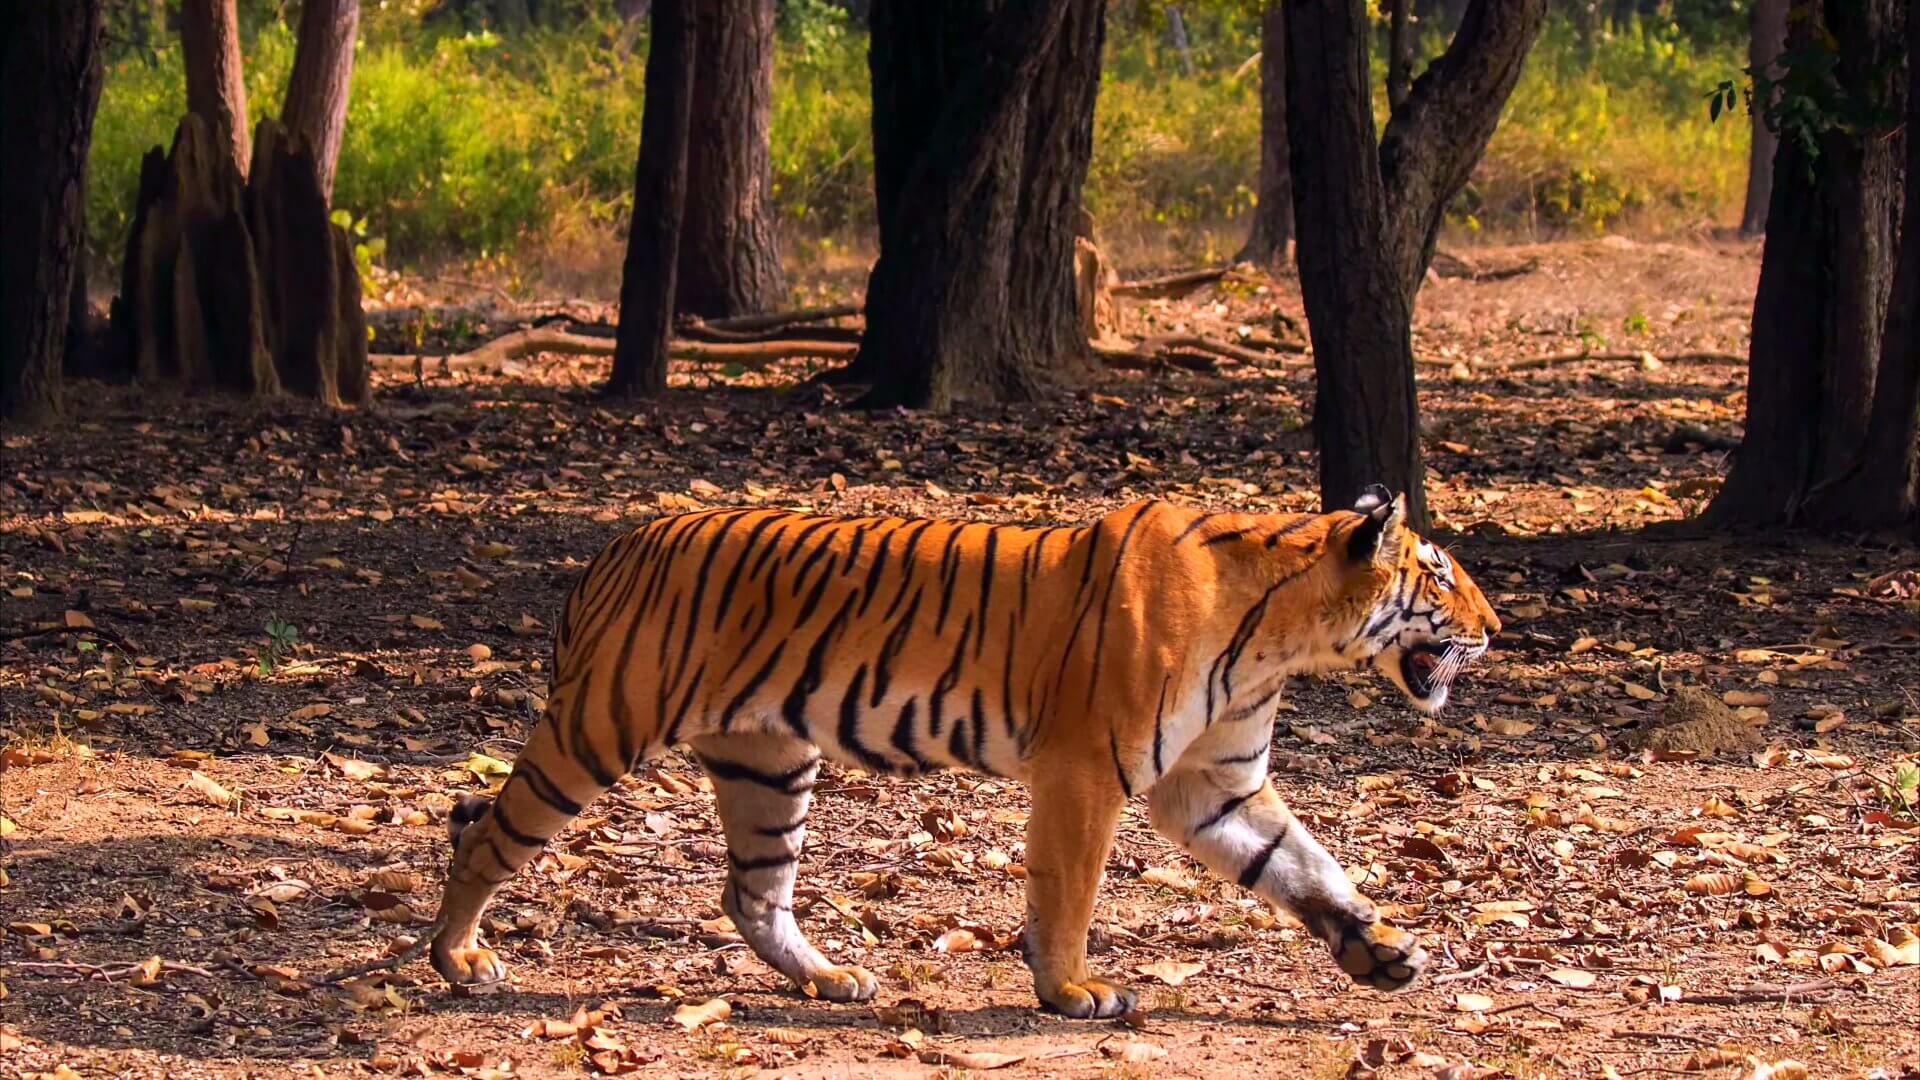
(462, 142)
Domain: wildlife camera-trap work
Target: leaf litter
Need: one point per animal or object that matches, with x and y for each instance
(196, 837)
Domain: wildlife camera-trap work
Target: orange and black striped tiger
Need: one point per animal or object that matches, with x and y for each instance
(1141, 655)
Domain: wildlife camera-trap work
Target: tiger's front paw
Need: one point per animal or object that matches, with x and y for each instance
(1381, 956)
(468, 966)
(849, 982)
(1089, 999)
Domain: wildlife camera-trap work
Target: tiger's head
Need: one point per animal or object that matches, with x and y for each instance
(1416, 615)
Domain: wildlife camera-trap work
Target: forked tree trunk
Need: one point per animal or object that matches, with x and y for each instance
(982, 129)
(1767, 25)
(1821, 304)
(1273, 212)
(51, 54)
(729, 252)
(316, 109)
(659, 202)
(1368, 216)
(216, 83)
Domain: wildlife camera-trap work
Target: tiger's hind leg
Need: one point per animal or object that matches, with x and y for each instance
(491, 842)
(763, 785)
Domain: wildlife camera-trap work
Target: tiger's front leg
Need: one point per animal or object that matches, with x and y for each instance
(1229, 817)
(1068, 837)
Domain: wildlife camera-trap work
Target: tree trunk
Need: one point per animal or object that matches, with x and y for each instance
(1368, 216)
(729, 253)
(216, 83)
(316, 110)
(1177, 31)
(51, 54)
(1273, 212)
(1399, 54)
(1821, 304)
(982, 132)
(659, 203)
(1884, 490)
(1768, 35)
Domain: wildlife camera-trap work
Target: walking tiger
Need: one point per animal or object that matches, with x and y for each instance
(1143, 655)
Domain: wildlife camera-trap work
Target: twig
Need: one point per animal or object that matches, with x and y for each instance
(1462, 976)
(1675, 1035)
(105, 974)
(1747, 995)
(774, 319)
(388, 963)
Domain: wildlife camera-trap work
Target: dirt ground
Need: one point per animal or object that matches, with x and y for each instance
(248, 655)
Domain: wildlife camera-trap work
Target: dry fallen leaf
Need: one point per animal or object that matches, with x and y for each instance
(210, 789)
(1133, 1052)
(1171, 972)
(970, 1059)
(1573, 977)
(1472, 1002)
(694, 1017)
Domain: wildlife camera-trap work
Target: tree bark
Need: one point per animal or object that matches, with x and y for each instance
(1177, 33)
(52, 57)
(1273, 212)
(316, 109)
(1767, 23)
(729, 251)
(1368, 217)
(216, 83)
(1821, 304)
(1884, 491)
(982, 129)
(659, 204)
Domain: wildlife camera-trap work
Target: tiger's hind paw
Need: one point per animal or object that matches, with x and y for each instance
(469, 966)
(1090, 999)
(1381, 956)
(849, 982)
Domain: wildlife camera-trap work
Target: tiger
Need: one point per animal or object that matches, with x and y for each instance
(1142, 655)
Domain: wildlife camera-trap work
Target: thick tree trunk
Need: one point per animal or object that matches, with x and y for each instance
(1884, 491)
(316, 110)
(659, 204)
(51, 54)
(982, 129)
(1273, 212)
(1821, 303)
(216, 83)
(1368, 217)
(729, 252)
(1767, 36)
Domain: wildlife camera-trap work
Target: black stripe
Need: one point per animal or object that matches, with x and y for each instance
(907, 563)
(766, 608)
(820, 547)
(986, 584)
(849, 730)
(514, 832)
(764, 862)
(1159, 731)
(794, 708)
(1113, 744)
(1227, 537)
(853, 551)
(1301, 522)
(501, 857)
(589, 760)
(1006, 681)
(686, 699)
(948, 679)
(545, 789)
(949, 575)
(813, 598)
(794, 781)
(895, 641)
(788, 829)
(873, 572)
(699, 592)
(1251, 875)
(906, 735)
(1243, 759)
(1226, 809)
(1194, 525)
(752, 687)
(793, 552)
(1106, 600)
(666, 635)
(733, 578)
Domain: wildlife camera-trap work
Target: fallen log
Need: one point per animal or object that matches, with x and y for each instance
(501, 350)
(1170, 286)
(1646, 360)
(773, 319)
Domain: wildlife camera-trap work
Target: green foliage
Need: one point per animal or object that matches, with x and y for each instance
(281, 636)
(462, 141)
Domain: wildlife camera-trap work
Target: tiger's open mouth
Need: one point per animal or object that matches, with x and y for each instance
(1424, 669)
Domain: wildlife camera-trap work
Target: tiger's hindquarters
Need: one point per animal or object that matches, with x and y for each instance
(548, 788)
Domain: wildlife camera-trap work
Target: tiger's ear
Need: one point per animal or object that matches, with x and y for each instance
(1384, 514)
